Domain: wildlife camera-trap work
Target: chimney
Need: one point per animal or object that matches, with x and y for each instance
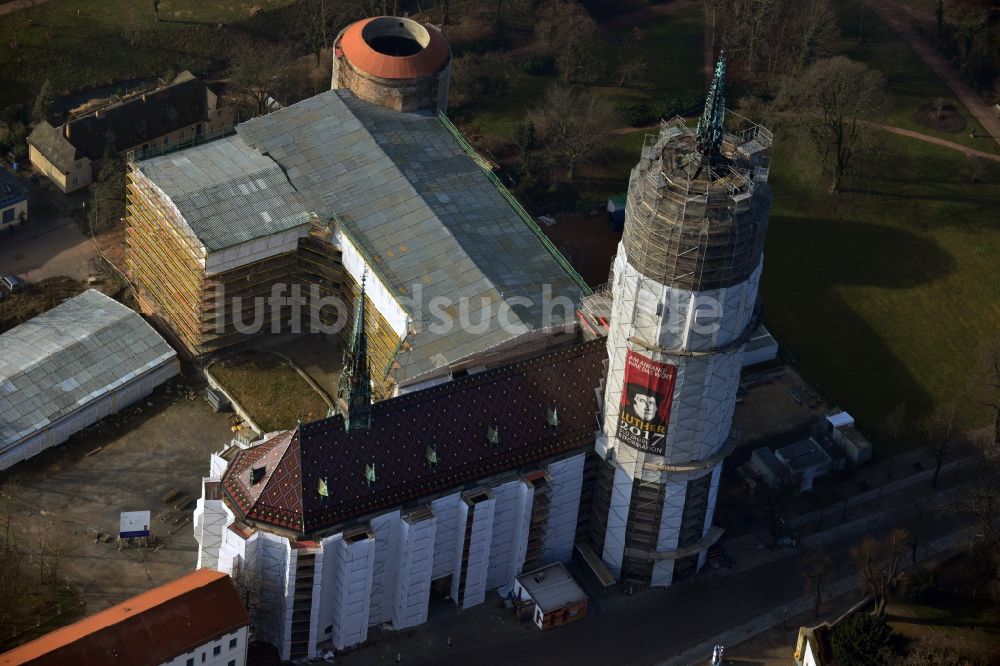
(97, 114)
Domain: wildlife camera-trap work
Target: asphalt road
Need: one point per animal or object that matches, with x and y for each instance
(673, 627)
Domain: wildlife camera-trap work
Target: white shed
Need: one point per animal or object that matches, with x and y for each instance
(69, 367)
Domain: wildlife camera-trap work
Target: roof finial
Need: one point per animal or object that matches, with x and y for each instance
(355, 392)
(711, 125)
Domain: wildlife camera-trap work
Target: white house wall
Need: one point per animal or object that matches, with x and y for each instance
(446, 537)
(273, 555)
(413, 582)
(375, 291)
(385, 566)
(614, 536)
(674, 493)
(351, 591)
(384, 575)
(566, 482)
(476, 563)
(89, 413)
(509, 530)
(255, 250)
(210, 519)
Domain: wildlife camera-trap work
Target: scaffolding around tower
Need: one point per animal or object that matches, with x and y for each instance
(674, 192)
(695, 222)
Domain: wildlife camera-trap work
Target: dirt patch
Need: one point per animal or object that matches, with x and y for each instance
(943, 119)
(37, 298)
(269, 389)
(69, 497)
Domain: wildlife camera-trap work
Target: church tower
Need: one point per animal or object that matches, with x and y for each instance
(684, 286)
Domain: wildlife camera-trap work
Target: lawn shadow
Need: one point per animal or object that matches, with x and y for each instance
(822, 331)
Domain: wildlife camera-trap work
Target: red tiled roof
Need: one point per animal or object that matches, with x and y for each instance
(453, 417)
(427, 61)
(150, 628)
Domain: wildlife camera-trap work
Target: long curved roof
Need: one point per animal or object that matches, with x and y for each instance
(362, 56)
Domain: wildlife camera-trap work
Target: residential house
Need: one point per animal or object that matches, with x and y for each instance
(196, 619)
(13, 201)
(173, 115)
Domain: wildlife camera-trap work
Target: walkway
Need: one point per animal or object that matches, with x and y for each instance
(16, 5)
(894, 14)
(969, 152)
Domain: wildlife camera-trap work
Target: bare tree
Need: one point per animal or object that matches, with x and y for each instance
(817, 572)
(938, 428)
(8, 505)
(986, 382)
(765, 39)
(893, 424)
(833, 99)
(983, 502)
(915, 524)
(40, 545)
(573, 126)
(260, 70)
(567, 30)
(631, 69)
(878, 562)
(248, 586)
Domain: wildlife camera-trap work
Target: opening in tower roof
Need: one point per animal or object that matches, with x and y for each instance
(395, 37)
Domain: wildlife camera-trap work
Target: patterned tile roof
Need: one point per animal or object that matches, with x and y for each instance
(454, 419)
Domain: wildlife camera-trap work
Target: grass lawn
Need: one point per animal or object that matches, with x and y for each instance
(270, 390)
(911, 83)
(671, 46)
(884, 293)
(966, 625)
(82, 44)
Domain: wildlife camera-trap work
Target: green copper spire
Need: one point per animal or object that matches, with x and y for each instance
(355, 381)
(711, 125)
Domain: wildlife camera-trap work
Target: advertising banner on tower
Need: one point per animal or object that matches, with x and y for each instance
(645, 403)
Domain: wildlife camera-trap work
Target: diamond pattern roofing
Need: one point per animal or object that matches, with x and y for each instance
(405, 191)
(69, 356)
(453, 419)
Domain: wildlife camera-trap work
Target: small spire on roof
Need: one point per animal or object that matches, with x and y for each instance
(711, 125)
(370, 473)
(552, 416)
(323, 489)
(355, 391)
(431, 454)
(493, 434)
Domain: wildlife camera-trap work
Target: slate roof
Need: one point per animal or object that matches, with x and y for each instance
(454, 418)
(76, 352)
(227, 192)
(149, 629)
(139, 119)
(51, 143)
(405, 191)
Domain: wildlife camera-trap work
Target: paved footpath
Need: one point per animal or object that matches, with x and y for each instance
(969, 152)
(896, 15)
(15, 5)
